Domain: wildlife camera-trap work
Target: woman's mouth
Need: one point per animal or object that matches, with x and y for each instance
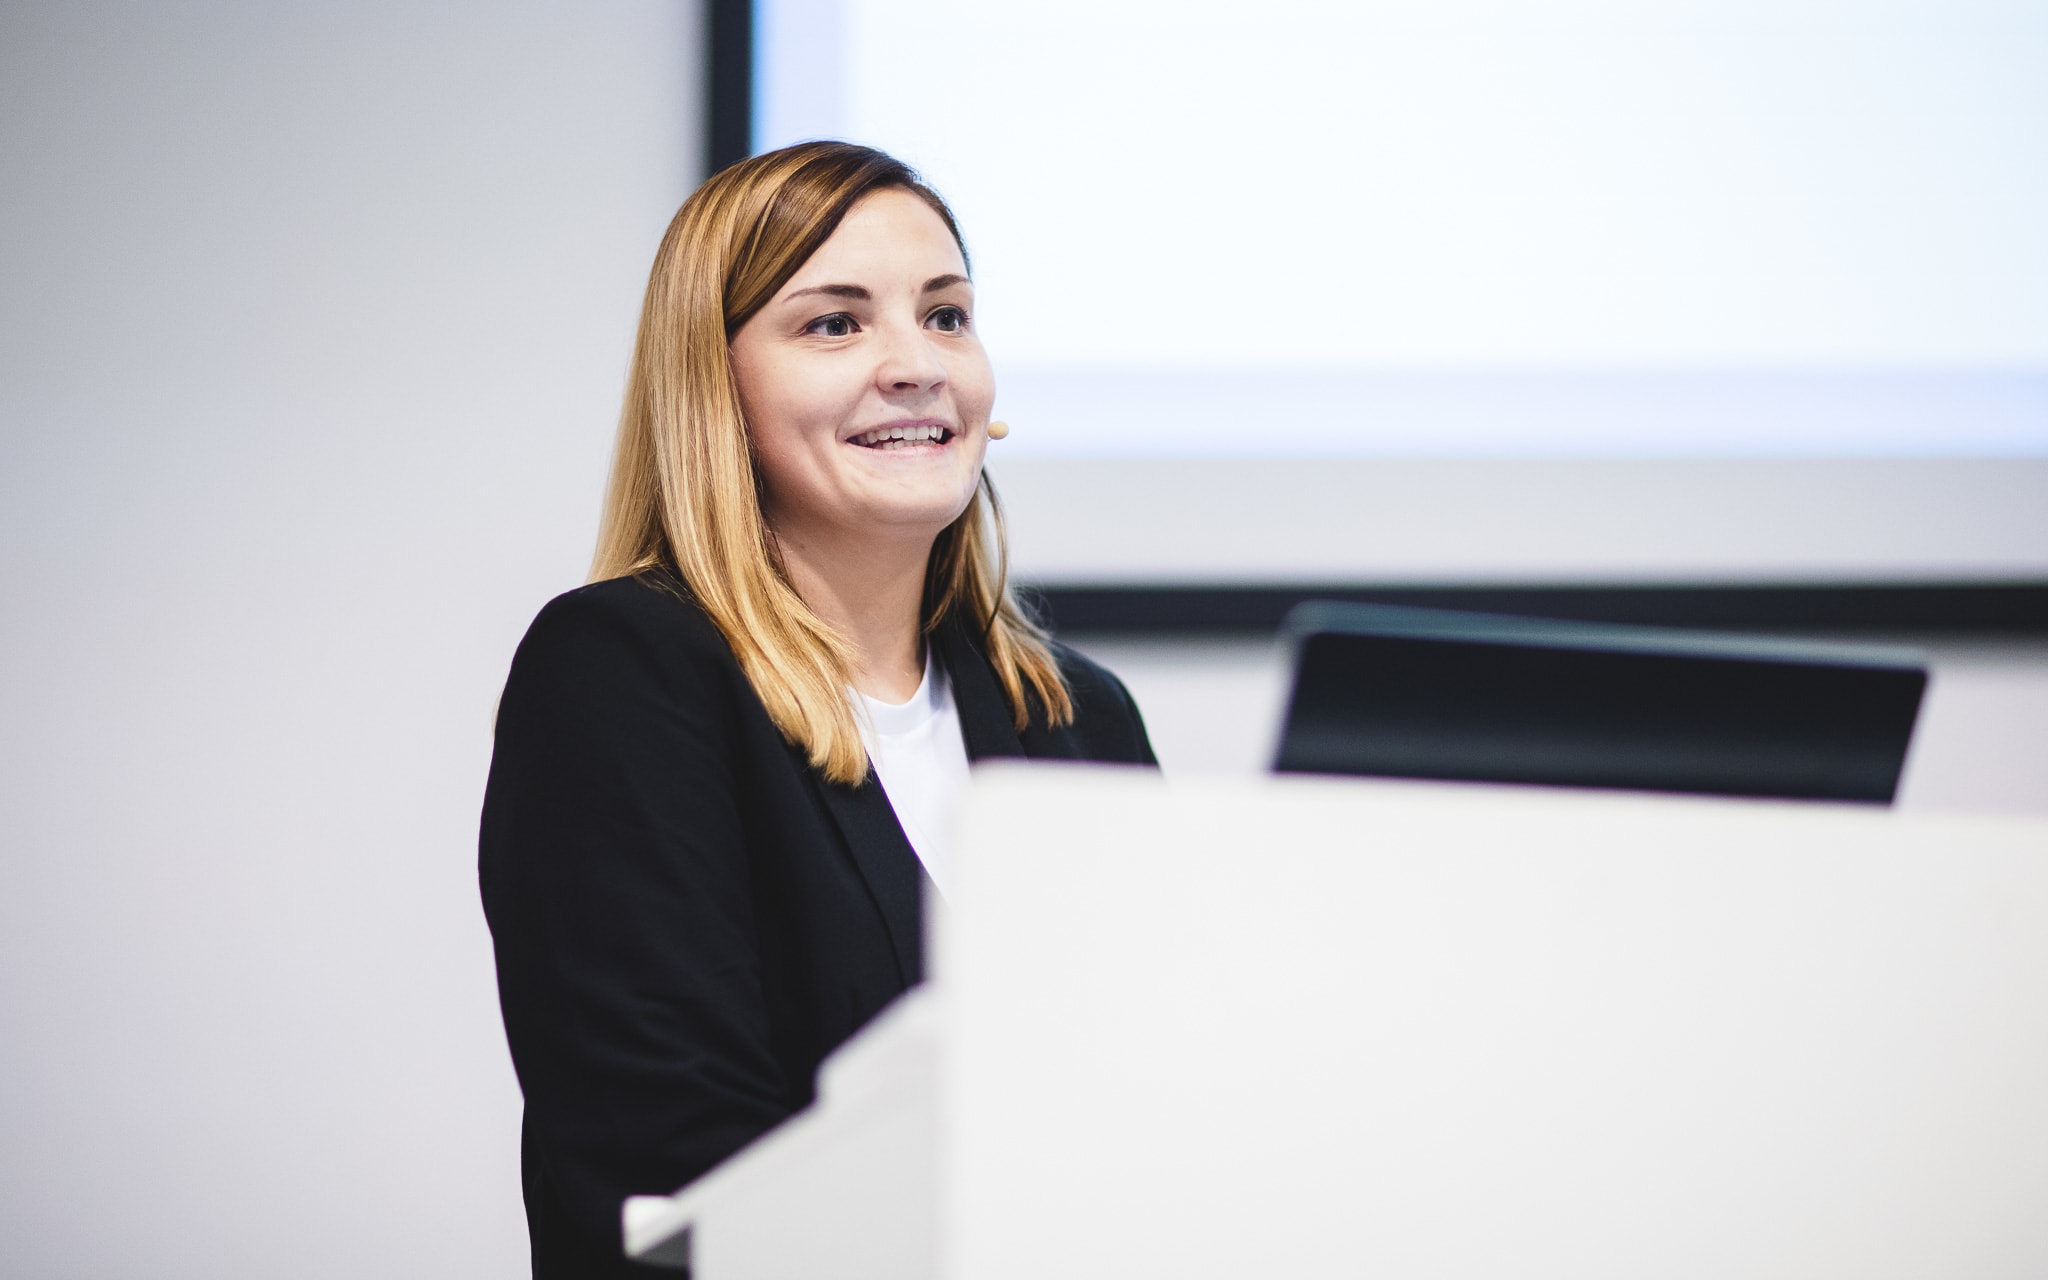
(911, 437)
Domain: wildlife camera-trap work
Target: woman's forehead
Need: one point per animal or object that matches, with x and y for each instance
(891, 235)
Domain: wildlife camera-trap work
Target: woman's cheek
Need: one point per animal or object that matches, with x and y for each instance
(978, 389)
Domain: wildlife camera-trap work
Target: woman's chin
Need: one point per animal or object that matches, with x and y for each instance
(920, 492)
(912, 515)
(923, 522)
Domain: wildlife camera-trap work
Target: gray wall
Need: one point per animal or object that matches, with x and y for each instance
(313, 323)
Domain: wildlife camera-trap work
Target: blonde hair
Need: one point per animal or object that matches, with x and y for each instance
(684, 494)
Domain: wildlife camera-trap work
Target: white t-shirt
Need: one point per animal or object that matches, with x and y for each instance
(921, 759)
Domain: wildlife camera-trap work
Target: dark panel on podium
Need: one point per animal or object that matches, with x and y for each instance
(1421, 693)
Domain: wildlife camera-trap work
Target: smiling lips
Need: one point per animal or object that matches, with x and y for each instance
(906, 437)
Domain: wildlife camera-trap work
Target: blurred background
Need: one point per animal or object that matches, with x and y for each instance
(314, 320)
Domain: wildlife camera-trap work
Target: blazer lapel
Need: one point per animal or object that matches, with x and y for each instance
(890, 866)
(894, 875)
(985, 723)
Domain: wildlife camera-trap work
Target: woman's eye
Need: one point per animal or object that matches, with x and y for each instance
(948, 320)
(836, 325)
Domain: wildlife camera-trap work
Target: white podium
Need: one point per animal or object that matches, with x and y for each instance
(1309, 1028)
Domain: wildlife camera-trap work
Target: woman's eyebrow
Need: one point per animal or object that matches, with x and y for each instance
(860, 292)
(835, 290)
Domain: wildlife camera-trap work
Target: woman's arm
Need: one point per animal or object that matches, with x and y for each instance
(615, 878)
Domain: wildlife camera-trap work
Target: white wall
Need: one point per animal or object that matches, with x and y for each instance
(1542, 520)
(313, 323)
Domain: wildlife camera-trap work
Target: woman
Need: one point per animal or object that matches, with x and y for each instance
(697, 885)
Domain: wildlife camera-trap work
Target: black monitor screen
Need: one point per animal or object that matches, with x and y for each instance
(1422, 693)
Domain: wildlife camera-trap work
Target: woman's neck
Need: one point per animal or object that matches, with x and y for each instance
(872, 591)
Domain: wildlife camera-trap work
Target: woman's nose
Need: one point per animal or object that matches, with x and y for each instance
(909, 361)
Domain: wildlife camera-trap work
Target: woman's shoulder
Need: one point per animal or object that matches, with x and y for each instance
(650, 604)
(1106, 716)
(647, 620)
(1090, 682)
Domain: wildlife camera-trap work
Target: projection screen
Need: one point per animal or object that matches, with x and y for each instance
(1468, 290)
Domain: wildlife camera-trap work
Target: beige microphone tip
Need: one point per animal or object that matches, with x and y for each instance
(997, 430)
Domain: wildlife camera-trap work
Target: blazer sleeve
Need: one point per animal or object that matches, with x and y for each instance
(615, 878)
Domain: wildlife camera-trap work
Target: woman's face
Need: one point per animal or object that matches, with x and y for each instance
(865, 387)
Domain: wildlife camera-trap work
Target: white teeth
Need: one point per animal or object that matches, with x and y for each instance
(900, 437)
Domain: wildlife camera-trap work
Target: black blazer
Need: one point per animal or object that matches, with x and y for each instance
(686, 916)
